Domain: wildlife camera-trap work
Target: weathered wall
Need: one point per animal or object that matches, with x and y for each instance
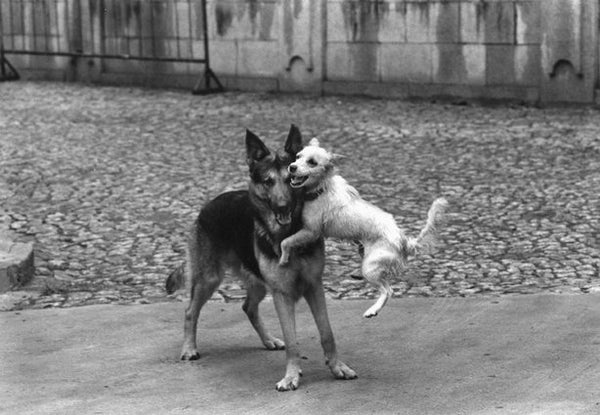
(436, 46)
(519, 49)
(494, 49)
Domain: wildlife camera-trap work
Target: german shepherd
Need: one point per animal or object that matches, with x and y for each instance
(242, 231)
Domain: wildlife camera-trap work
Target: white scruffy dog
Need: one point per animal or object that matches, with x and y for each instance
(333, 208)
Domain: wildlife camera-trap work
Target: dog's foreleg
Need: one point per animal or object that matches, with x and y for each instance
(300, 238)
(255, 294)
(315, 298)
(286, 311)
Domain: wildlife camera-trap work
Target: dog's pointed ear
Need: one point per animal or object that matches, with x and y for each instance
(256, 150)
(314, 142)
(293, 144)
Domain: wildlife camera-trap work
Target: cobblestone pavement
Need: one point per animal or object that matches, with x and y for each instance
(107, 180)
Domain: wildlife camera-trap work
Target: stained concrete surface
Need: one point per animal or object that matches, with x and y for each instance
(534, 354)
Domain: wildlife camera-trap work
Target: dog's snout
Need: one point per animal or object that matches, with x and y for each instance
(292, 168)
(283, 213)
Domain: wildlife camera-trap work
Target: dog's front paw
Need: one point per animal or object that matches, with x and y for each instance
(289, 382)
(190, 354)
(342, 371)
(273, 343)
(285, 258)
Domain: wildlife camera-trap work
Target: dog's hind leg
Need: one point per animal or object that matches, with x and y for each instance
(201, 292)
(385, 293)
(315, 297)
(255, 292)
(376, 267)
(205, 274)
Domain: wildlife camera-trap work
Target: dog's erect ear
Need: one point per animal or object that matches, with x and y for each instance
(314, 142)
(256, 150)
(293, 144)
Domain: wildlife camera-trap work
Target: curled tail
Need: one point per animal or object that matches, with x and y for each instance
(428, 235)
(176, 279)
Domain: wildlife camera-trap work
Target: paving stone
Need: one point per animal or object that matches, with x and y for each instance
(106, 182)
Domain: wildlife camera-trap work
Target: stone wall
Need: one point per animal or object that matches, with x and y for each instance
(434, 47)
(517, 49)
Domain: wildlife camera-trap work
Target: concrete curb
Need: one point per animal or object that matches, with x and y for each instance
(16, 263)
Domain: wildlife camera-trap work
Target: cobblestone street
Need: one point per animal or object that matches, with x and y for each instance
(106, 181)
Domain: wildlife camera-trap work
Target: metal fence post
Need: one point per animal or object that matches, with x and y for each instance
(7, 71)
(208, 73)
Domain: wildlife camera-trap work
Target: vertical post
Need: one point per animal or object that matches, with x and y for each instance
(7, 71)
(2, 66)
(206, 54)
(76, 29)
(208, 73)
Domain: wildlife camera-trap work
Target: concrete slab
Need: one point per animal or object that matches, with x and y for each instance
(16, 262)
(534, 354)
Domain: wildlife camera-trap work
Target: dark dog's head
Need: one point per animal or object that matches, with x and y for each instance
(269, 176)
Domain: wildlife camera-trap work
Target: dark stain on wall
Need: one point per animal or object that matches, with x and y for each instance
(223, 17)
(499, 22)
(297, 8)
(362, 20)
(288, 26)
(132, 11)
(451, 66)
(267, 14)
(480, 13)
(423, 9)
(252, 9)
(158, 12)
(261, 15)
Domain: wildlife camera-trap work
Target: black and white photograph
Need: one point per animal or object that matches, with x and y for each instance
(300, 207)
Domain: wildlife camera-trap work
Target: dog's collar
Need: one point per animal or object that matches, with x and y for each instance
(310, 196)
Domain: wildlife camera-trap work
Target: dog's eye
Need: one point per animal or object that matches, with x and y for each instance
(269, 181)
(312, 162)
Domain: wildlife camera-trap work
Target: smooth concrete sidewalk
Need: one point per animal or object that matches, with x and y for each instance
(536, 354)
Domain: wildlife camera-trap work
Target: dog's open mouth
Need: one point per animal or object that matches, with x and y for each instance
(297, 181)
(283, 218)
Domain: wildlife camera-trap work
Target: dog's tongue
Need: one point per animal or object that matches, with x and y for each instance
(283, 218)
(297, 181)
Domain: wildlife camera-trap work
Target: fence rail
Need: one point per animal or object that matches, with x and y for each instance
(143, 30)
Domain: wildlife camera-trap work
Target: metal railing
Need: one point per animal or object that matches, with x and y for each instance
(143, 30)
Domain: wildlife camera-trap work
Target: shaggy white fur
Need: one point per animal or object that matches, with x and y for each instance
(333, 208)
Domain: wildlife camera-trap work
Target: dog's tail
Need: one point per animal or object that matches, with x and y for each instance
(429, 233)
(176, 279)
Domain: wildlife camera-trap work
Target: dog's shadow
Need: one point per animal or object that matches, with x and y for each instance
(245, 366)
(240, 364)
